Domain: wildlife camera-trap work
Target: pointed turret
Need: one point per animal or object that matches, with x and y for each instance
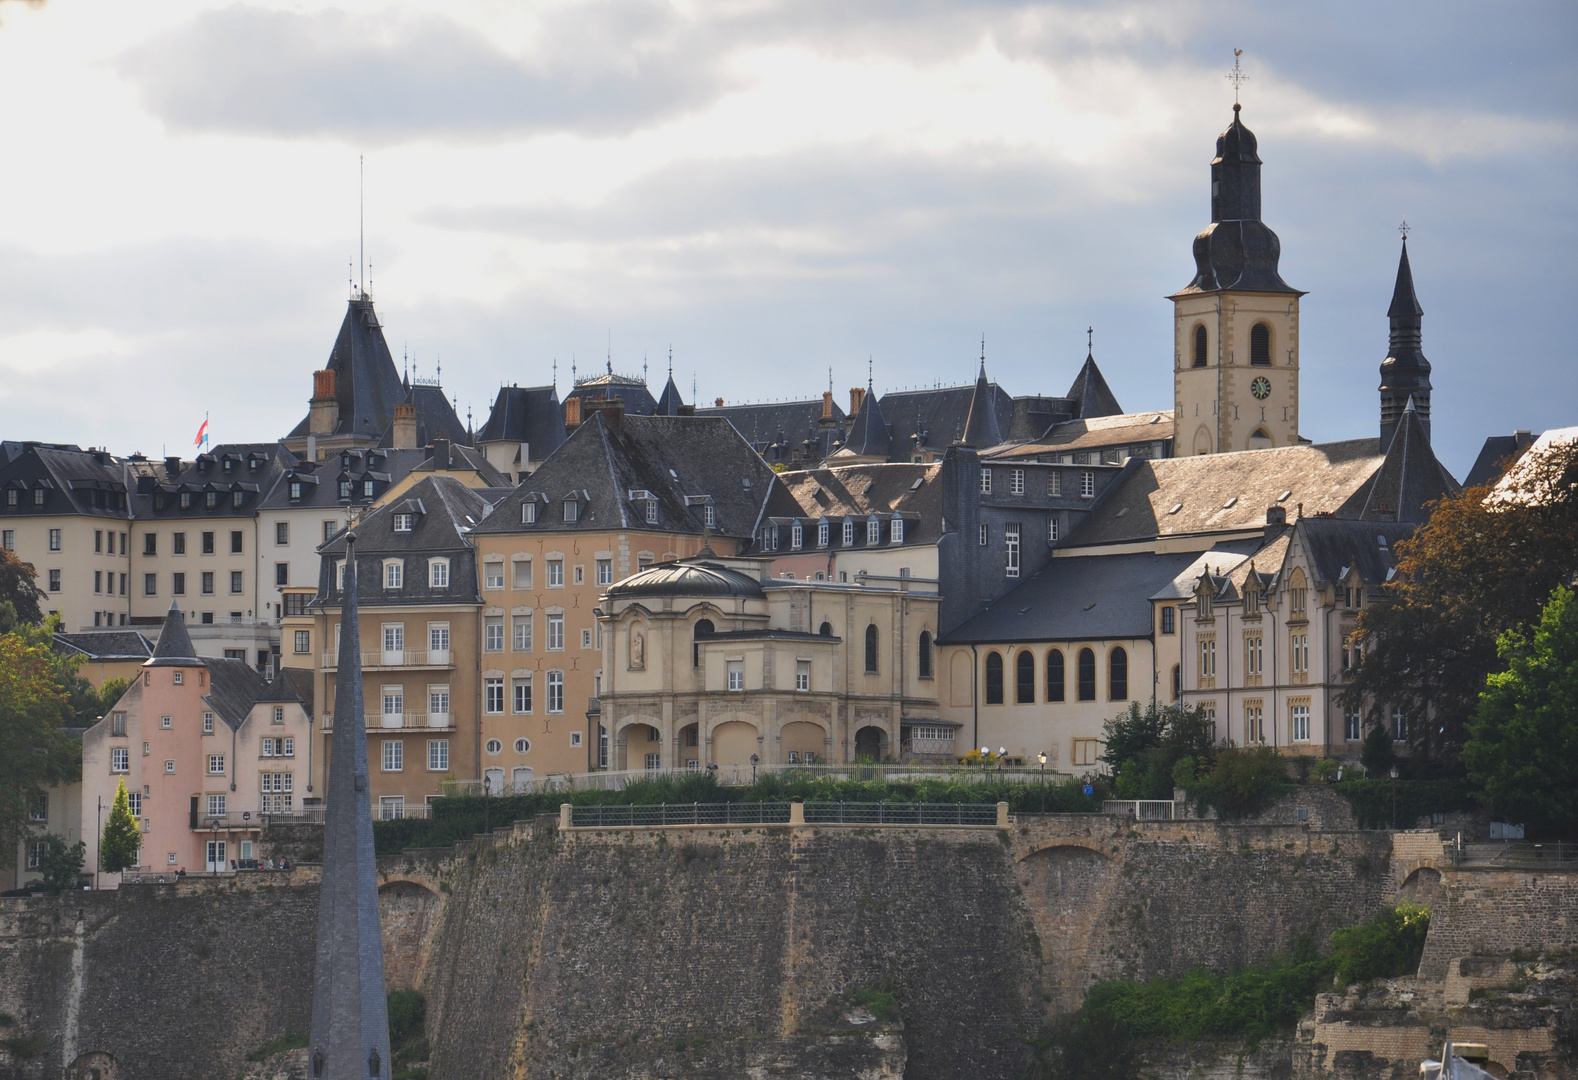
(350, 1017)
(1405, 373)
(868, 435)
(980, 425)
(175, 644)
(1090, 393)
(1410, 477)
(670, 402)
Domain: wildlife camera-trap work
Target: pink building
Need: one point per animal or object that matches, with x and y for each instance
(206, 749)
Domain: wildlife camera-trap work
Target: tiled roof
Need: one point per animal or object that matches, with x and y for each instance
(1124, 429)
(366, 382)
(233, 688)
(119, 644)
(442, 509)
(175, 644)
(859, 490)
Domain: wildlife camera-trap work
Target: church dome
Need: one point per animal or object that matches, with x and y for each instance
(686, 579)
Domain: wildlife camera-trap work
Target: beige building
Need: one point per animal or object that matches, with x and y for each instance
(711, 663)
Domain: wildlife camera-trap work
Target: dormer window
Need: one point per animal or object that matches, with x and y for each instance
(896, 532)
(345, 489)
(236, 498)
(367, 489)
(821, 533)
(402, 522)
(651, 511)
(796, 536)
(529, 512)
(710, 515)
(572, 511)
(873, 531)
(228, 464)
(210, 500)
(252, 463)
(849, 533)
(295, 491)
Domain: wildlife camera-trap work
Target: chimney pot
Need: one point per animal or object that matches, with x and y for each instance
(403, 437)
(572, 413)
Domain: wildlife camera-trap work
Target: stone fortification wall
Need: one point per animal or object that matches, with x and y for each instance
(1496, 912)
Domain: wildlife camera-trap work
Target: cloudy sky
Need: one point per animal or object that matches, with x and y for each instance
(772, 189)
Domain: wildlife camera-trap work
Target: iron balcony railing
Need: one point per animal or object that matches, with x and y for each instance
(374, 659)
(420, 721)
(1142, 809)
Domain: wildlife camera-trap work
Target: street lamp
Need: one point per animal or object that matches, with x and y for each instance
(1394, 798)
(487, 808)
(754, 760)
(1042, 758)
(986, 752)
(1001, 750)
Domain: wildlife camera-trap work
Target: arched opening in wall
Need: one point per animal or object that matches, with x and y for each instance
(703, 629)
(1423, 886)
(1260, 440)
(994, 678)
(493, 781)
(961, 680)
(1177, 682)
(1118, 674)
(520, 780)
(871, 649)
(733, 743)
(1200, 343)
(690, 746)
(1025, 678)
(408, 912)
(826, 630)
(870, 743)
(1260, 345)
(1087, 675)
(923, 656)
(1055, 689)
(642, 745)
(803, 743)
(1202, 442)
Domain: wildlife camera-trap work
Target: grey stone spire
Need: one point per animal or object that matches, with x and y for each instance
(1405, 373)
(350, 1016)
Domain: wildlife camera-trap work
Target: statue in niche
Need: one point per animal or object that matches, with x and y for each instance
(638, 649)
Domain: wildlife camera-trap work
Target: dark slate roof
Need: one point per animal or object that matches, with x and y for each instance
(1103, 432)
(840, 491)
(444, 509)
(869, 435)
(787, 425)
(669, 402)
(686, 578)
(233, 688)
(1335, 545)
(1076, 599)
(1497, 452)
(526, 414)
(89, 482)
(461, 458)
(684, 461)
(1090, 393)
(981, 429)
(175, 644)
(119, 644)
(1408, 478)
(366, 381)
(1236, 251)
(252, 469)
(435, 416)
(938, 415)
(607, 386)
(290, 684)
(320, 480)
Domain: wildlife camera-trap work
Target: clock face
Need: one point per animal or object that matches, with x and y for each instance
(1261, 388)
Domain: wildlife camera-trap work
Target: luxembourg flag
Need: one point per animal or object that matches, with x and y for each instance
(202, 433)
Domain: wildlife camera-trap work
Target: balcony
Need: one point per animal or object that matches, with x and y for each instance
(411, 721)
(382, 659)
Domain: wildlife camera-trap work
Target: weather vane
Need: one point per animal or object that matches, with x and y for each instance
(1404, 228)
(1237, 76)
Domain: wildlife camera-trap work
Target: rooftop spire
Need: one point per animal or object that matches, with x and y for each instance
(1405, 373)
(980, 424)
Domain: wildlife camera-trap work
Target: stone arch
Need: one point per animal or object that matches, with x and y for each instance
(1066, 884)
(1202, 440)
(733, 743)
(409, 913)
(634, 738)
(1260, 439)
(801, 737)
(871, 742)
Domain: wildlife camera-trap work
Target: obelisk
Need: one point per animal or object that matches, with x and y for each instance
(350, 1015)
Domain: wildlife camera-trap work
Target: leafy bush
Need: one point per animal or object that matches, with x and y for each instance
(1377, 754)
(1242, 781)
(1387, 946)
(1372, 800)
(1144, 747)
(881, 1002)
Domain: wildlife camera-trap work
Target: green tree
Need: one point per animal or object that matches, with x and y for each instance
(1145, 746)
(1523, 747)
(1242, 782)
(35, 753)
(121, 840)
(19, 593)
(62, 863)
(1377, 754)
(1482, 565)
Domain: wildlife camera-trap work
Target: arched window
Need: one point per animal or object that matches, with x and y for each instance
(1260, 345)
(703, 629)
(1055, 675)
(1025, 678)
(994, 678)
(1087, 675)
(1118, 675)
(1177, 682)
(1200, 343)
(827, 629)
(871, 649)
(923, 668)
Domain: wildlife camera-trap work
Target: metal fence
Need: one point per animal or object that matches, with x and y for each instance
(1516, 853)
(1142, 809)
(735, 775)
(777, 813)
(890, 813)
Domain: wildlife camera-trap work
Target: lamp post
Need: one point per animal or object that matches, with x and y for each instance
(754, 760)
(986, 753)
(1394, 798)
(1042, 758)
(487, 808)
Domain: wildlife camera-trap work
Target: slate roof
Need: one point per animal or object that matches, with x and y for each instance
(444, 511)
(1498, 451)
(320, 480)
(1334, 545)
(366, 382)
(839, 491)
(938, 415)
(684, 461)
(252, 469)
(175, 644)
(627, 388)
(1074, 436)
(1227, 492)
(435, 416)
(1090, 393)
(290, 684)
(1409, 477)
(1081, 598)
(669, 402)
(233, 688)
(526, 414)
(88, 482)
(869, 435)
(981, 428)
(102, 645)
(787, 424)
(463, 458)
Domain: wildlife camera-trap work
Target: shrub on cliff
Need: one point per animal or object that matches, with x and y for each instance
(1144, 746)
(1241, 782)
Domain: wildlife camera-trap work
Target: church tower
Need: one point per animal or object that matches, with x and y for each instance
(1405, 373)
(1236, 325)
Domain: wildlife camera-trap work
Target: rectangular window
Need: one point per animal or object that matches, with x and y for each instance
(1300, 654)
(736, 674)
(605, 572)
(654, 762)
(150, 543)
(178, 543)
(1086, 751)
(281, 574)
(118, 720)
(555, 573)
(1169, 619)
(235, 542)
(1054, 484)
(282, 532)
(8, 539)
(391, 807)
(873, 531)
(402, 522)
(208, 583)
(521, 632)
(1087, 484)
(555, 633)
(438, 643)
(438, 573)
(216, 764)
(521, 573)
(522, 688)
(1301, 723)
(438, 704)
(120, 759)
(493, 699)
(438, 755)
(329, 529)
(54, 539)
(235, 582)
(394, 574)
(985, 535)
(802, 674)
(493, 633)
(896, 531)
(528, 513)
(1254, 654)
(572, 512)
(1011, 548)
(1254, 723)
(394, 706)
(1352, 725)
(150, 584)
(134, 803)
(796, 536)
(1208, 658)
(556, 691)
(303, 639)
(821, 533)
(986, 481)
(38, 809)
(208, 543)
(1054, 530)
(493, 575)
(394, 642)
(216, 806)
(394, 755)
(54, 581)
(1016, 481)
(178, 584)
(277, 790)
(651, 511)
(586, 639)
(208, 723)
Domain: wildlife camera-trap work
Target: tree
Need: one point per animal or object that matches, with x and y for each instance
(1482, 565)
(1523, 746)
(119, 844)
(19, 593)
(1144, 747)
(1377, 754)
(35, 753)
(1242, 782)
(62, 863)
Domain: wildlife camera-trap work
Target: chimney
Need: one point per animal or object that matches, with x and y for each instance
(404, 435)
(1276, 521)
(324, 412)
(612, 410)
(718, 403)
(572, 414)
(828, 420)
(857, 398)
(172, 467)
(687, 410)
(441, 458)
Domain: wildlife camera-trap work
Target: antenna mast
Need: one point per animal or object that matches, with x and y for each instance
(361, 217)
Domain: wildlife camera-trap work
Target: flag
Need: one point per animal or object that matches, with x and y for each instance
(202, 434)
